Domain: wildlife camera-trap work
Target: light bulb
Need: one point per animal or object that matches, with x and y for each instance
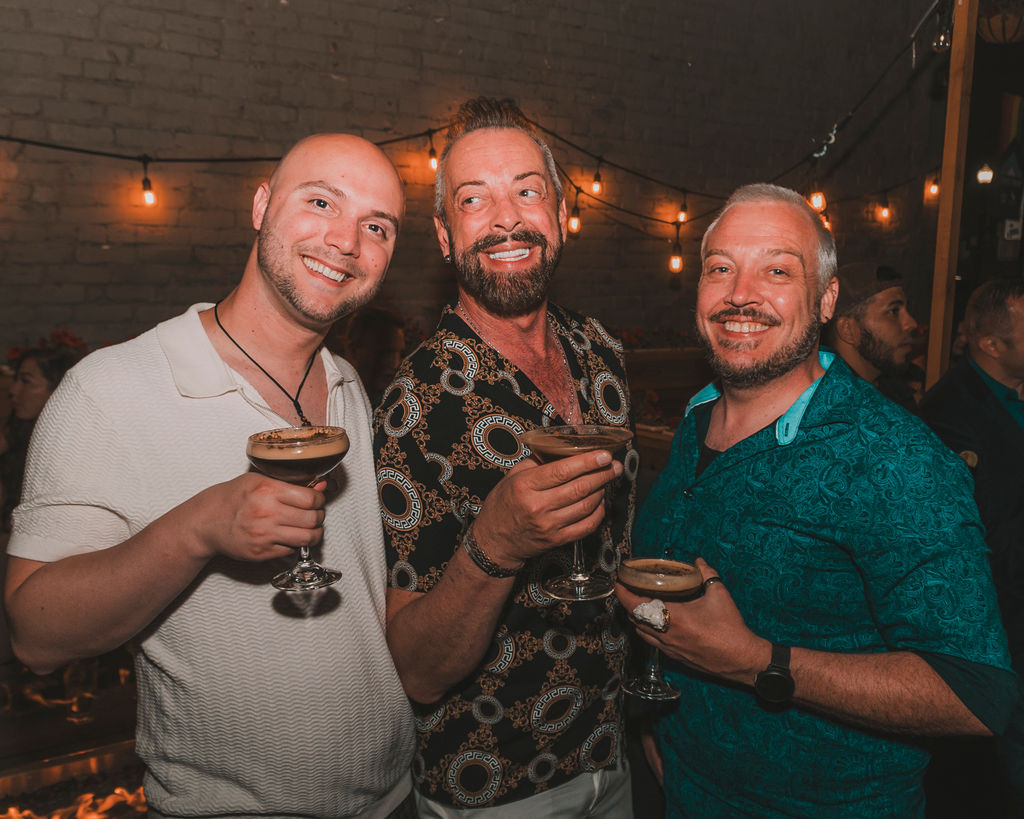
(817, 201)
(595, 186)
(825, 221)
(682, 214)
(932, 188)
(985, 174)
(675, 262)
(574, 220)
(884, 212)
(433, 159)
(147, 192)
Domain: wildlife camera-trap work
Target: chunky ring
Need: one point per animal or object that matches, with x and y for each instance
(713, 579)
(666, 617)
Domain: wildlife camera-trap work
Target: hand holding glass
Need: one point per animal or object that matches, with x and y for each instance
(670, 581)
(550, 444)
(299, 455)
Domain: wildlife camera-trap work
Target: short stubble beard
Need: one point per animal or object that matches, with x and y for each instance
(741, 377)
(275, 260)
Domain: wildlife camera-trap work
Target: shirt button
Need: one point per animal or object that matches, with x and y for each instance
(687, 493)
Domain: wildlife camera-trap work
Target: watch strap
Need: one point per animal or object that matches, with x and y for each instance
(780, 658)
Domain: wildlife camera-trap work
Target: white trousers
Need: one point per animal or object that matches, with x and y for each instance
(604, 794)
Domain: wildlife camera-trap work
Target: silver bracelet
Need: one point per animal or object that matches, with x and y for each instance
(482, 561)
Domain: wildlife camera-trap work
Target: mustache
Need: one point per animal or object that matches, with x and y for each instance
(526, 236)
(745, 313)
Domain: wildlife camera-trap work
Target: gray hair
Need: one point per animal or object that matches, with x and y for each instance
(764, 192)
(485, 112)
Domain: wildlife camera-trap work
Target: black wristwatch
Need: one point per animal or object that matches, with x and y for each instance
(775, 684)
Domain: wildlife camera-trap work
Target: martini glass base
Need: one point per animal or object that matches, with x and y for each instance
(585, 588)
(305, 578)
(651, 689)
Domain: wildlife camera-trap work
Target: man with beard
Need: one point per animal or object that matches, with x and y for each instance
(848, 607)
(872, 330)
(140, 521)
(515, 693)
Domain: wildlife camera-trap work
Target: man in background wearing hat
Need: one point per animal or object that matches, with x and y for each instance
(872, 329)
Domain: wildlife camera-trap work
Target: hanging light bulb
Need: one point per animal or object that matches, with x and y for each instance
(432, 155)
(931, 187)
(985, 174)
(574, 220)
(148, 197)
(595, 185)
(817, 201)
(681, 216)
(884, 210)
(574, 217)
(675, 261)
(825, 220)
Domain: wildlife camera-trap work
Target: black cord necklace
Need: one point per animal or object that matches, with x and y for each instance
(294, 399)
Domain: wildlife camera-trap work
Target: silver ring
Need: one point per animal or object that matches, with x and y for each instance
(713, 579)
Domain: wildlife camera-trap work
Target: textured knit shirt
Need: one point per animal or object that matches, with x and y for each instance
(543, 707)
(845, 526)
(252, 702)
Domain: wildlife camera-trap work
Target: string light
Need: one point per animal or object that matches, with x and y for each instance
(931, 187)
(148, 197)
(595, 186)
(574, 217)
(884, 210)
(985, 174)
(675, 262)
(825, 220)
(817, 201)
(432, 155)
(681, 216)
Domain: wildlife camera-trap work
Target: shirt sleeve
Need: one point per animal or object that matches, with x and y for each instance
(423, 520)
(73, 477)
(921, 550)
(989, 693)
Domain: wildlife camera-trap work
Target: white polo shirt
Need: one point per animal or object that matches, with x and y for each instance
(251, 702)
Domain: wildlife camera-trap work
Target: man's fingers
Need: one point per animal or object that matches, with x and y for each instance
(557, 473)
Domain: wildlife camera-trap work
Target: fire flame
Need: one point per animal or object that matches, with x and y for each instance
(88, 807)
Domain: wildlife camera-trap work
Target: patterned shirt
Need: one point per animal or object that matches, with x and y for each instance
(845, 526)
(543, 706)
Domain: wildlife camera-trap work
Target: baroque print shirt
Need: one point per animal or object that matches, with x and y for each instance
(543, 706)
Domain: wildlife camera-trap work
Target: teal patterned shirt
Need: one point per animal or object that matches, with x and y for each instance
(845, 526)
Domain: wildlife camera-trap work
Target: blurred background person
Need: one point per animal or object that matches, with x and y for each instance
(872, 330)
(37, 372)
(976, 409)
(373, 340)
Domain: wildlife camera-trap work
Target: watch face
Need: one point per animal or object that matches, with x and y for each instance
(774, 686)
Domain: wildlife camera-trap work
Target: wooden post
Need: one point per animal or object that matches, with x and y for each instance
(958, 106)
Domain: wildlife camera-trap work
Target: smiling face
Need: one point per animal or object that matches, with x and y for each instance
(327, 221)
(506, 224)
(759, 312)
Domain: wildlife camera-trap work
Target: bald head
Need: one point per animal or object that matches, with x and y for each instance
(340, 154)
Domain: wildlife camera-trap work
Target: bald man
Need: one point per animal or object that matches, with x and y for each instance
(140, 521)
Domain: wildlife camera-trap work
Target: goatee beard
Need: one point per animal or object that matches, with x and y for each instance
(512, 294)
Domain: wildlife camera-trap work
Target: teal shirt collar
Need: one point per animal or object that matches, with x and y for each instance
(788, 424)
(1007, 397)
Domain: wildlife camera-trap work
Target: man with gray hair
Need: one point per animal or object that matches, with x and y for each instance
(848, 607)
(516, 693)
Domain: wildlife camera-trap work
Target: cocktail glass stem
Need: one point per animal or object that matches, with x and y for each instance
(579, 570)
(651, 684)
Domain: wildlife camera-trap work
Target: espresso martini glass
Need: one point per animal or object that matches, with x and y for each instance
(299, 455)
(551, 444)
(670, 581)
